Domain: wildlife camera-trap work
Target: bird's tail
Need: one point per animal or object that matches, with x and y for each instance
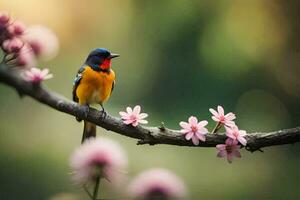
(89, 130)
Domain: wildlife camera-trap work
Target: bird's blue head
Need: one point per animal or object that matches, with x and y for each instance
(100, 59)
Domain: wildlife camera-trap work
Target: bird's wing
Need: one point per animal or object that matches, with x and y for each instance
(114, 82)
(112, 87)
(76, 82)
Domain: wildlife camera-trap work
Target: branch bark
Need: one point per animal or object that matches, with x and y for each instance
(145, 135)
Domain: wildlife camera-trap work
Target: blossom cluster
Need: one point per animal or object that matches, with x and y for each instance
(98, 157)
(104, 158)
(157, 184)
(196, 131)
(23, 45)
(234, 136)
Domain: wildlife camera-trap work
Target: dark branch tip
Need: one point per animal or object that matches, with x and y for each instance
(162, 127)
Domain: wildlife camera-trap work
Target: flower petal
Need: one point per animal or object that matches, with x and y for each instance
(135, 123)
(142, 121)
(221, 110)
(48, 76)
(195, 140)
(200, 137)
(189, 135)
(201, 124)
(143, 115)
(44, 72)
(230, 135)
(215, 119)
(193, 121)
(230, 116)
(230, 124)
(221, 147)
(242, 133)
(222, 153)
(242, 140)
(229, 157)
(236, 153)
(35, 70)
(185, 125)
(185, 131)
(136, 110)
(129, 110)
(231, 142)
(229, 130)
(124, 114)
(214, 112)
(203, 131)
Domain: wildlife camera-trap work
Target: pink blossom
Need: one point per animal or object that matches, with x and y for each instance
(219, 116)
(25, 57)
(134, 116)
(230, 149)
(98, 157)
(43, 41)
(157, 184)
(236, 134)
(17, 28)
(36, 75)
(13, 45)
(194, 130)
(4, 19)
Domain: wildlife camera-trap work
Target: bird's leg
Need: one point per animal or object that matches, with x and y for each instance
(103, 113)
(85, 109)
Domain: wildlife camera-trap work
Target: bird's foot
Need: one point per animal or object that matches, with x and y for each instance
(103, 114)
(84, 110)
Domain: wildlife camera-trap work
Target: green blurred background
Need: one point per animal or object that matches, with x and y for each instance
(178, 58)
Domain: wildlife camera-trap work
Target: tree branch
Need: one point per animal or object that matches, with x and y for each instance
(145, 135)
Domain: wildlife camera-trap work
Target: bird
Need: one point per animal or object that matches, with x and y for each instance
(94, 84)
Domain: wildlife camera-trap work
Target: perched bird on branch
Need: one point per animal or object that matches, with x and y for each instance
(94, 84)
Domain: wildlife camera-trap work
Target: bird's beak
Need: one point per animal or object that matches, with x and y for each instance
(113, 55)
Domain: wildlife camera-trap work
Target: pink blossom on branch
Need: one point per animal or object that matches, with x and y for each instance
(98, 157)
(133, 116)
(220, 117)
(157, 184)
(229, 150)
(194, 130)
(36, 75)
(23, 45)
(236, 134)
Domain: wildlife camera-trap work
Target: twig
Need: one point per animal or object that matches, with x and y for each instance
(87, 191)
(96, 189)
(145, 135)
(217, 127)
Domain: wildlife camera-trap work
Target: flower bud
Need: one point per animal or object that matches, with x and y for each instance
(12, 45)
(4, 19)
(16, 29)
(26, 57)
(99, 157)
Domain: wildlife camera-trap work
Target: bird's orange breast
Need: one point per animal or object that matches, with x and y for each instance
(95, 86)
